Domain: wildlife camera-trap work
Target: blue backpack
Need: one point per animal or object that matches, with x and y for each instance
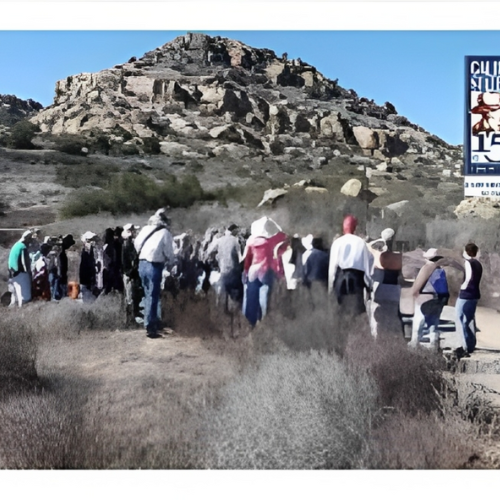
(438, 281)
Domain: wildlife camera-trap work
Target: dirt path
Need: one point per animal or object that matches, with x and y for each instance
(112, 357)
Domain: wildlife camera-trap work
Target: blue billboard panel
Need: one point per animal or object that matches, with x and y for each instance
(482, 126)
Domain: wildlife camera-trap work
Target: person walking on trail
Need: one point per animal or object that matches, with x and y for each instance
(314, 262)
(20, 271)
(131, 280)
(88, 268)
(41, 284)
(226, 251)
(430, 292)
(67, 242)
(262, 265)
(386, 294)
(469, 295)
(112, 279)
(349, 272)
(154, 246)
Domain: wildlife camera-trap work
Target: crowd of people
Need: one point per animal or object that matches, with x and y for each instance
(244, 267)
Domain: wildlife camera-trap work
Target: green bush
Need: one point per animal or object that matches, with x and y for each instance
(151, 145)
(71, 144)
(132, 193)
(81, 175)
(21, 135)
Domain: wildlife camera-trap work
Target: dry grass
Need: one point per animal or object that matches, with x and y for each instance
(291, 411)
(307, 389)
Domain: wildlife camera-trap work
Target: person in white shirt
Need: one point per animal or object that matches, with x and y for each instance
(349, 271)
(154, 245)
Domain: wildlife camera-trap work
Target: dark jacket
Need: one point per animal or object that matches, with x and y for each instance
(471, 289)
(128, 257)
(316, 267)
(88, 269)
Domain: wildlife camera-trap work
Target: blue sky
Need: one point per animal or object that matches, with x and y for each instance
(420, 72)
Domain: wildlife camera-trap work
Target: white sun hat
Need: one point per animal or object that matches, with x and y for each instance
(307, 241)
(265, 227)
(430, 254)
(89, 235)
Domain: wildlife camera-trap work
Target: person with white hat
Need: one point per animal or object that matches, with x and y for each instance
(386, 275)
(154, 246)
(88, 267)
(430, 292)
(20, 271)
(41, 285)
(131, 279)
(262, 264)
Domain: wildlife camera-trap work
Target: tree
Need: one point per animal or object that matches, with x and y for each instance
(21, 135)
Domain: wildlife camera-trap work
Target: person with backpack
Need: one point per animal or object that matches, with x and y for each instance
(154, 246)
(431, 294)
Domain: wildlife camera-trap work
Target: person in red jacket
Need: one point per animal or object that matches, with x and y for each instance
(262, 265)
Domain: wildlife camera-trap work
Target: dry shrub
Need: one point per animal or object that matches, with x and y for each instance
(410, 380)
(190, 313)
(291, 411)
(306, 319)
(421, 442)
(17, 354)
(70, 317)
(37, 433)
(160, 433)
(313, 391)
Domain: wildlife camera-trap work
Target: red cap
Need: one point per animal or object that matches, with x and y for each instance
(349, 224)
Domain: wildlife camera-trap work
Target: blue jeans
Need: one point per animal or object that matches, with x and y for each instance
(150, 273)
(256, 298)
(465, 311)
(55, 286)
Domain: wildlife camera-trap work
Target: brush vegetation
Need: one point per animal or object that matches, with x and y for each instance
(308, 388)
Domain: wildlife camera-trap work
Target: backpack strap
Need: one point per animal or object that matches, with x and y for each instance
(157, 228)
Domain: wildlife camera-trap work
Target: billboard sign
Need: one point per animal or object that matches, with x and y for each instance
(482, 126)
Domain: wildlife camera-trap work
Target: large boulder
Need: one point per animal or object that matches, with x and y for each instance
(484, 208)
(351, 188)
(398, 207)
(330, 126)
(366, 137)
(271, 195)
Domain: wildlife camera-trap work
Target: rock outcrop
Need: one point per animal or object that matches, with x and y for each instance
(13, 109)
(221, 91)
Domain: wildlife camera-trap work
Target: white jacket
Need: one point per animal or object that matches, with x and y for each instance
(349, 252)
(159, 246)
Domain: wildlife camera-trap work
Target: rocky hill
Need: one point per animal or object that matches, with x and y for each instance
(13, 109)
(243, 118)
(213, 100)
(221, 91)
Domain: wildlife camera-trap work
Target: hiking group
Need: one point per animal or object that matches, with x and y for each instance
(243, 267)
